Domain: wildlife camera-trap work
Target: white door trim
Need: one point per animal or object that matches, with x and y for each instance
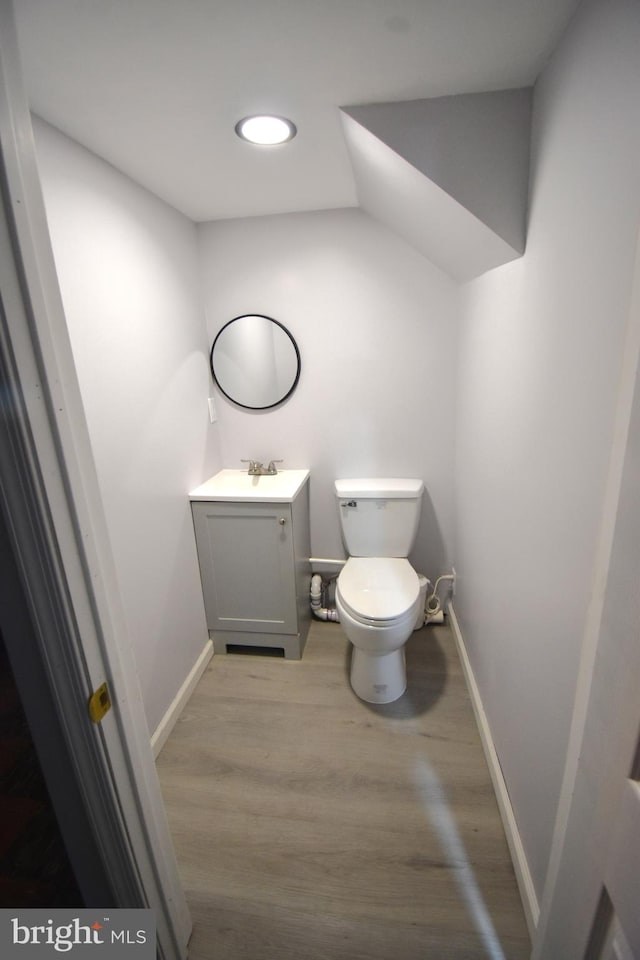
(629, 382)
(50, 498)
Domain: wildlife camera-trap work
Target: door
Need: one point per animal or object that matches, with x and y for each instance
(612, 729)
(57, 545)
(591, 904)
(616, 932)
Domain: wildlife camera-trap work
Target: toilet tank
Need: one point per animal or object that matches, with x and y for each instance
(379, 518)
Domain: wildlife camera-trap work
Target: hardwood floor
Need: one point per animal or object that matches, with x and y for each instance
(312, 826)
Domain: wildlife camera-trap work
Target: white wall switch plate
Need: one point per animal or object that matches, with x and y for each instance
(213, 416)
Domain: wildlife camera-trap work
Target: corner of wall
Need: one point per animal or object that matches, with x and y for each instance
(179, 702)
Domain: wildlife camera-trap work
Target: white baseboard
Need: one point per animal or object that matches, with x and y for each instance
(520, 865)
(167, 723)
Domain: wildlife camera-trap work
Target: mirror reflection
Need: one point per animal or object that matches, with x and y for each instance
(255, 361)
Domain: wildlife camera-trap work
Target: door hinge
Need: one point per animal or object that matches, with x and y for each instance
(99, 703)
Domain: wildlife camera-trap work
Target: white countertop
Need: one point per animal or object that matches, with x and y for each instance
(237, 485)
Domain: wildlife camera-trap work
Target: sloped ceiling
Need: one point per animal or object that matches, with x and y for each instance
(156, 86)
(449, 174)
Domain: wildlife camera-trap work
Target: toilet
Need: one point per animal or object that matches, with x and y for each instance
(378, 591)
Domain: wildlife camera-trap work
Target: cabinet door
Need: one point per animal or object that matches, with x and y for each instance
(245, 553)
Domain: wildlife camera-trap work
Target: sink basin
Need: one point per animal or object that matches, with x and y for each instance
(239, 486)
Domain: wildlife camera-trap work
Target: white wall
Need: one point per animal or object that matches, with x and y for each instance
(540, 356)
(376, 327)
(127, 266)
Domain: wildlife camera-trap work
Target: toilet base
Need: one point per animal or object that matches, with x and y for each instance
(378, 679)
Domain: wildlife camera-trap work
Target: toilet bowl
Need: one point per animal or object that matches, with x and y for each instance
(378, 591)
(378, 599)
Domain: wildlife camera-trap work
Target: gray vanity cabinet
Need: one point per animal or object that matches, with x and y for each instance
(254, 565)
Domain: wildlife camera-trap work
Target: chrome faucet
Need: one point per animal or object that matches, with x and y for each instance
(257, 469)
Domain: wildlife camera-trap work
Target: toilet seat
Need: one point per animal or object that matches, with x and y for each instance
(378, 591)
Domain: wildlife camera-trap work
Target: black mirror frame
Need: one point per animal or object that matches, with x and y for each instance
(282, 399)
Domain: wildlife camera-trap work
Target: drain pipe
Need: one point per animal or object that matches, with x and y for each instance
(322, 613)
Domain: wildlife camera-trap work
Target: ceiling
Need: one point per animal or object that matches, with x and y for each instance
(156, 86)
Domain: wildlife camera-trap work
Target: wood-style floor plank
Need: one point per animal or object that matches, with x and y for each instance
(310, 825)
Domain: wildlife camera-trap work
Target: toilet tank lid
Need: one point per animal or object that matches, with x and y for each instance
(387, 488)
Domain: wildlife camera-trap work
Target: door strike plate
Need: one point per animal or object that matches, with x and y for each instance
(99, 703)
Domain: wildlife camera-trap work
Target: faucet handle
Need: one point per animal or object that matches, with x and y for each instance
(272, 465)
(254, 465)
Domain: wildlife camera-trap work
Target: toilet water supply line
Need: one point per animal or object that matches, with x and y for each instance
(433, 612)
(433, 606)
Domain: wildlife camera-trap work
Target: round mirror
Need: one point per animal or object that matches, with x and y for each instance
(255, 361)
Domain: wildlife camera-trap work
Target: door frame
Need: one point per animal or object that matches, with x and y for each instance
(599, 758)
(58, 547)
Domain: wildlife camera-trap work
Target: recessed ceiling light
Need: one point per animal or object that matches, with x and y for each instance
(265, 130)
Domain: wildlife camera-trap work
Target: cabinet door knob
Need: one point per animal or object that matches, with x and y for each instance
(282, 521)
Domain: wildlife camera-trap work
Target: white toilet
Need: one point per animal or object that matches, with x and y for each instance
(378, 591)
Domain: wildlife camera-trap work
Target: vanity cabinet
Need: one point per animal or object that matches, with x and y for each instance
(254, 565)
